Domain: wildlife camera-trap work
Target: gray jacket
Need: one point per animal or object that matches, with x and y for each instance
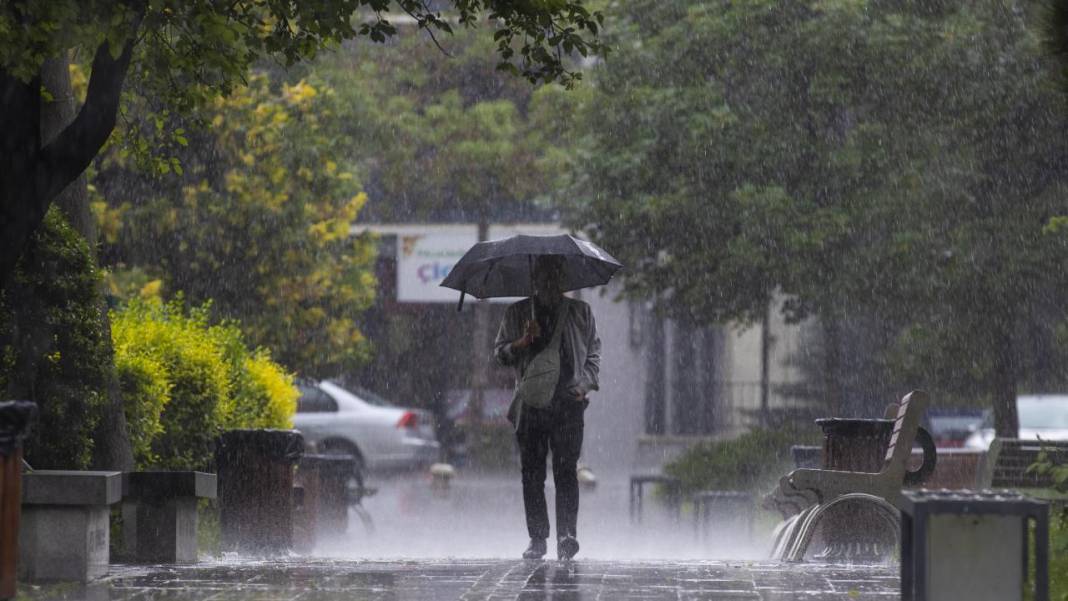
(580, 335)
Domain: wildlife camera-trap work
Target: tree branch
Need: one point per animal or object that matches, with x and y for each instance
(67, 156)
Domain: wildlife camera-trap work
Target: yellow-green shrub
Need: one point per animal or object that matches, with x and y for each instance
(267, 397)
(214, 381)
(146, 390)
(198, 377)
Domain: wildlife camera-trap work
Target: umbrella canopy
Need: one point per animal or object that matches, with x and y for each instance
(505, 267)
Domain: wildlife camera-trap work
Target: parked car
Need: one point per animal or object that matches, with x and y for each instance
(951, 427)
(381, 436)
(1041, 416)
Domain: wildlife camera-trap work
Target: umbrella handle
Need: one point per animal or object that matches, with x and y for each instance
(460, 307)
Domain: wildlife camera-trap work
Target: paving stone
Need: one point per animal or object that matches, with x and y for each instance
(480, 580)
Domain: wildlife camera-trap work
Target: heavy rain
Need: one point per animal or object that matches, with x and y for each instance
(534, 299)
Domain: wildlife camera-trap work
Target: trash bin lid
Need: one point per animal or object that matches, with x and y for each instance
(15, 419)
(275, 444)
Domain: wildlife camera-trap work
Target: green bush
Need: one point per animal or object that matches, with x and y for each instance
(186, 381)
(751, 462)
(52, 347)
(1058, 535)
(263, 395)
(146, 389)
(1058, 555)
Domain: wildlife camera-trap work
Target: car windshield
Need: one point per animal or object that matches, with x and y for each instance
(1043, 413)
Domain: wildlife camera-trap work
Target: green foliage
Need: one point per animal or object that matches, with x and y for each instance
(213, 383)
(258, 224)
(751, 462)
(52, 350)
(184, 53)
(1058, 556)
(485, 145)
(859, 158)
(1046, 465)
(146, 390)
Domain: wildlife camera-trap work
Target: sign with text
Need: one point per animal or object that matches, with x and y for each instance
(423, 261)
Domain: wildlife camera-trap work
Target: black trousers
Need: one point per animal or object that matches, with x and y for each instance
(558, 430)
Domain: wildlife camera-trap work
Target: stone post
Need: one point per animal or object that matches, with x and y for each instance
(65, 530)
(160, 514)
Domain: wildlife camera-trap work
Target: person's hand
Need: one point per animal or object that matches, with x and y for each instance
(530, 332)
(577, 392)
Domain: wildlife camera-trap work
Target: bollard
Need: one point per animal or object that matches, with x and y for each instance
(255, 472)
(441, 475)
(15, 418)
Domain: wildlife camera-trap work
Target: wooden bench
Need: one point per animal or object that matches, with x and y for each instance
(1007, 465)
(804, 487)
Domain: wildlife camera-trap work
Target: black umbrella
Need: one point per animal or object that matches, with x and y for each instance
(505, 267)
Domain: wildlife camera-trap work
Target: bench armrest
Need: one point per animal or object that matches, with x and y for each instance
(831, 483)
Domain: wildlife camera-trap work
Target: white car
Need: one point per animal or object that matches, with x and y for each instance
(1042, 416)
(381, 436)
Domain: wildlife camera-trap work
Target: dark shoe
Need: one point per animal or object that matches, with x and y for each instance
(566, 548)
(536, 550)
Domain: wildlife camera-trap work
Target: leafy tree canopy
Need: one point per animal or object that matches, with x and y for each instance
(256, 221)
(181, 53)
(892, 159)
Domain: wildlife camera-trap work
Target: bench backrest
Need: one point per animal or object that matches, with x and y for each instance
(1008, 460)
(907, 421)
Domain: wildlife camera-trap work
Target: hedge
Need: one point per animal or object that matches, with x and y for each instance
(52, 347)
(185, 381)
(751, 462)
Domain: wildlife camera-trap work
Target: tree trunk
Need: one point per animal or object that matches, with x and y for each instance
(36, 173)
(1003, 383)
(55, 117)
(765, 358)
(832, 389)
(112, 450)
(19, 216)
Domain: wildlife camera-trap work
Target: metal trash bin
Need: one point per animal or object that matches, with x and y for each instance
(255, 478)
(325, 510)
(15, 419)
(334, 473)
(962, 544)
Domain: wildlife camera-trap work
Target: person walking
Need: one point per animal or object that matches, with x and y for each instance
(552, 343)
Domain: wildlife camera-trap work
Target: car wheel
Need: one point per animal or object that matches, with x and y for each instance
(343, 447)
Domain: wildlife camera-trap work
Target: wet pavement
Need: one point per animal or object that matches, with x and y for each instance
(433, 544)
(464, 580)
